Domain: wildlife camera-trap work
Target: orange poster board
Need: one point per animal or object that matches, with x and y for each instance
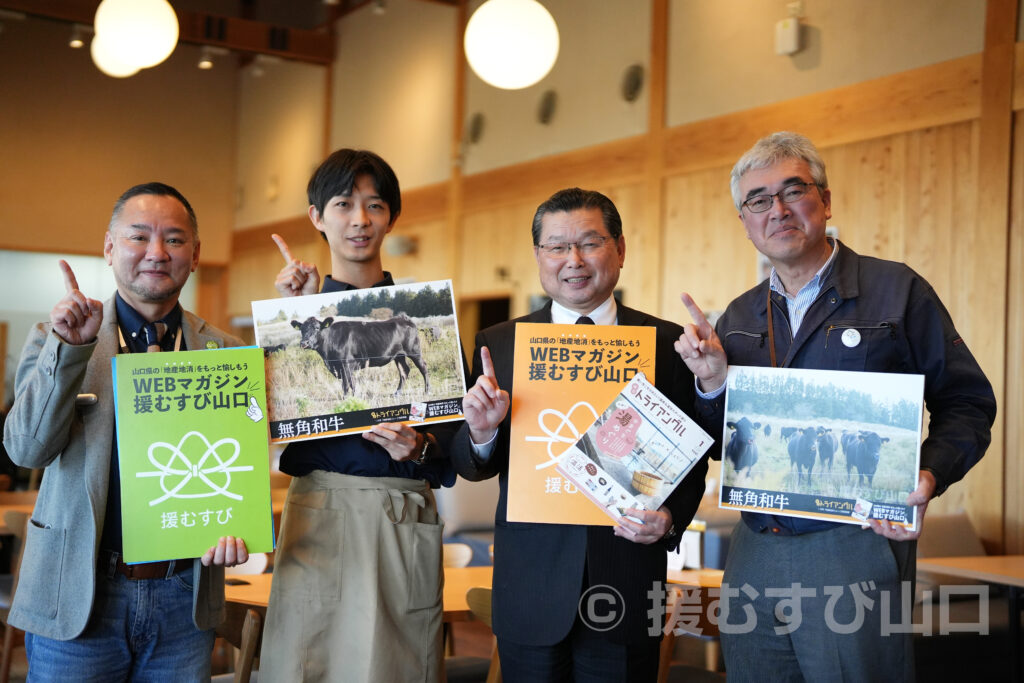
(563, 377)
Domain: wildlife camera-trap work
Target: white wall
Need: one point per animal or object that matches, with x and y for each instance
(598, 42)
(722, 54)
(281, 125)
(394, 89)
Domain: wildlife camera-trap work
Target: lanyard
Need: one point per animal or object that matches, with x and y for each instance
(126, 349)
(771, 331)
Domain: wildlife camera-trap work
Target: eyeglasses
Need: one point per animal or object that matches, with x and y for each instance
(586, 247)
(787, 195)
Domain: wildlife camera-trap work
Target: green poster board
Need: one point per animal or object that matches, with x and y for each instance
(192, 445)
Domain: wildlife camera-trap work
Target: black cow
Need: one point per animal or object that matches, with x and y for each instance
(742, 450)
(802, 450)
(267, 350)
(351, 344)
(787, 432)
(828, 444)
(862, 451)
(767, 430)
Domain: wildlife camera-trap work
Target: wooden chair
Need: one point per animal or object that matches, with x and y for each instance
(256, 564)
(464, 669)
(456, 555)
(667, 673)
(479, 601)
(245, 632)
(16, 521)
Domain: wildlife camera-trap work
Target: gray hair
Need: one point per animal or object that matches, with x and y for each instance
(772, 149)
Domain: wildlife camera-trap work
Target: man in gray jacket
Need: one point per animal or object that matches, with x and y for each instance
(822, 596)
(87, 614)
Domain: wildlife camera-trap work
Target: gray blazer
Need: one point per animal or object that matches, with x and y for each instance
(46, 428)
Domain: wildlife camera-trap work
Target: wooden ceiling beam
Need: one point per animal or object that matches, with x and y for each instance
(241, 35)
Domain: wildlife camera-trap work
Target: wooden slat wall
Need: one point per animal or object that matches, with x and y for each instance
(903, 155)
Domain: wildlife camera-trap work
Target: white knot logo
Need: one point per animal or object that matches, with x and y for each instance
(188, 471)
(555, 436)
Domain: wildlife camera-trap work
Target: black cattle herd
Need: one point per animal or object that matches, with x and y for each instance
(808, 446)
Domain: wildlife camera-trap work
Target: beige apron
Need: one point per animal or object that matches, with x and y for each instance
(357, 583)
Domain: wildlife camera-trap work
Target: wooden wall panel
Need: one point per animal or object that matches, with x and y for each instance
(256, 260)
(707, 252)
(431, 260)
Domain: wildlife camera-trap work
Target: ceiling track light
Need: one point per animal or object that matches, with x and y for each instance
(78, 36)
(207, 54)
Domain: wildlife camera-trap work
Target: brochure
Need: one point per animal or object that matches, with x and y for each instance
(636, 452)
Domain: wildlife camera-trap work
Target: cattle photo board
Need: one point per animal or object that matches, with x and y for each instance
(822, 444)
(342, 362)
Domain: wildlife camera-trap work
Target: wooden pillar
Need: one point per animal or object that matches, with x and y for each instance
(454, 209)
(654, 163)
(984, 277)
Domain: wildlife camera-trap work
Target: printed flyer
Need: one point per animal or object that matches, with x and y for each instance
(562, 375)
(636, 452)
(192, 448)
(342, 362)
(824, 444)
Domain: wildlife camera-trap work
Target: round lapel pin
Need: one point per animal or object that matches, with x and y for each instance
(851, 338)
(212, 344)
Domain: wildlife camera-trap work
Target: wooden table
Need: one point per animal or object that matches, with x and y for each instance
(256, 592)
(1004, 570)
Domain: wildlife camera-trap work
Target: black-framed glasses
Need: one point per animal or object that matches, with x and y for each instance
(787, 195)
(585, 246)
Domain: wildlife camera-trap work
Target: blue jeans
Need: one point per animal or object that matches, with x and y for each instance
(139, 630)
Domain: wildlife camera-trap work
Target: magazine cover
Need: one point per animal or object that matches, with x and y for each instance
(341, 362)
(636, 452)
(825, 444)
(563, 375)
(192, 448)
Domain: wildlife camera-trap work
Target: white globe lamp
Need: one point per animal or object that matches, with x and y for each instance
(140, 32)
(511, 44)
(109, 61)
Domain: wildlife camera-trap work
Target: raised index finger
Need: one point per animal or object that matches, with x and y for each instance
(485, 361)
(283, 246)
(70, 283)
(695, 313)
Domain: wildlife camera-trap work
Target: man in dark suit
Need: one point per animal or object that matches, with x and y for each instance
(557, 587)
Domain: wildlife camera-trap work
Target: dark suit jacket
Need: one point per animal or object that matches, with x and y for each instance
(539, 568)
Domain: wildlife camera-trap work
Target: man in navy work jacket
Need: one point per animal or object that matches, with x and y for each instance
(825, 307)
(542, 572)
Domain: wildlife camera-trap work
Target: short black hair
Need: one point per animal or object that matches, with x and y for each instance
(574, 198)
(159, 190)
(338, 172)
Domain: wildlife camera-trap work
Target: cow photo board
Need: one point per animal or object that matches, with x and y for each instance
(823, 444)
(341, 362)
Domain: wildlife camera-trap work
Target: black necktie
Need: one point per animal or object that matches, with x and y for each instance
(154, 332)
(584, 320)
